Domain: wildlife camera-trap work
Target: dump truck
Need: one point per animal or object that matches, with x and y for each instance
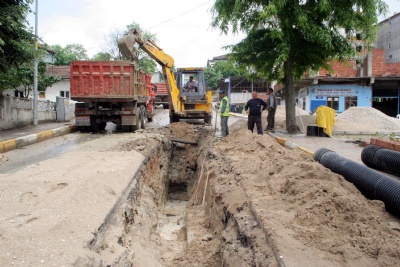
(193, 102)
(110, 91)
(161, 95)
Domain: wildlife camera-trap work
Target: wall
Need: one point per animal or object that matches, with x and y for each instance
(341, 69)
(380, 67)
(54, 91)
(17, 112)
(317, 95)
(389, 38)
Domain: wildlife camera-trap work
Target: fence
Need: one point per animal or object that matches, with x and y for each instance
(17, 112)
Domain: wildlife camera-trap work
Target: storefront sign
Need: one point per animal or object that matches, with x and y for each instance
(333, 92)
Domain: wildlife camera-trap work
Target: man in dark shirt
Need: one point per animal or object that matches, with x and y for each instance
(254, 108)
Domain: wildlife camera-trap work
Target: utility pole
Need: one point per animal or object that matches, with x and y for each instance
(35, 73)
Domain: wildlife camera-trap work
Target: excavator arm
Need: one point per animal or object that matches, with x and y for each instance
(126, 46)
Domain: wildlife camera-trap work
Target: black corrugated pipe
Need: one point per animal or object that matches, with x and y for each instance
(373, 184)
(381, 159)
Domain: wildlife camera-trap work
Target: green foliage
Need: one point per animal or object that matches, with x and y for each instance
(145, 62)
(16, 40)
(64, 55)
(102, 56)
(23, 77)
(287, 38)
(221, 69)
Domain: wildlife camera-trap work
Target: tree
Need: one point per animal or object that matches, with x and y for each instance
(102, 56)
(16, 41)
(287, 38)
(145, 62)
(221, 69)
(23, 76)
(64, 55)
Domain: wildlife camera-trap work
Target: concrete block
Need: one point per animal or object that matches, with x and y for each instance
(8, 145)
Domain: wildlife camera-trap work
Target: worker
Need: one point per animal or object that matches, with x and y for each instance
(271, 107)
(254, 107)
(190, 85)
(223, 111)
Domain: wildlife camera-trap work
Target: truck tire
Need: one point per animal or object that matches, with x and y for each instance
(142, 123)
(128, 128)
(173, 119)
(101, 126)
(207, 119)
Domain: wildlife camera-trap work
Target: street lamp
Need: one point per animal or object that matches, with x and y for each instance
(35, 73)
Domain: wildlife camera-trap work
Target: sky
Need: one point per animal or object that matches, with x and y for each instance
(182, 27)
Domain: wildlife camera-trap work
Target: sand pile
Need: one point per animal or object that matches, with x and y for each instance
(363, 119)
(371, 117)
(313, 216)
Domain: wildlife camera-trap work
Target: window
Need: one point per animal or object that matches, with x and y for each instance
(332, 102)
(350, 101)
(358, 36)
(64, 94)
(388, 47)
(18, 94)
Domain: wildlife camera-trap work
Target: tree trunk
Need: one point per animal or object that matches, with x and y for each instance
(290, 103)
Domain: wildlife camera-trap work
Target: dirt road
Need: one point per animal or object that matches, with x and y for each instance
(142, 199)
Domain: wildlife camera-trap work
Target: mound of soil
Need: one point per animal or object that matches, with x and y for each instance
(287, 208)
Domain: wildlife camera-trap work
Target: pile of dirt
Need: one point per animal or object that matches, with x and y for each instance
(371, 117)
(284, 203)
(363, 119)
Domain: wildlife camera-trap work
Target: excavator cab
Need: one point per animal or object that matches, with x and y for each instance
(194, 89)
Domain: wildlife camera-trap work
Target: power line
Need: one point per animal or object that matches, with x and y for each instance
(178, 15)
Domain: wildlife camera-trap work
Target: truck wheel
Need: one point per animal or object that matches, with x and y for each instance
(84, 129)
(127, 128)
(101, 126)
(142, 123)
(207, 119)
(173, 119)
(136, 127)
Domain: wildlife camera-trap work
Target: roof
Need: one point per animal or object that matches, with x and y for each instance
(62, 71)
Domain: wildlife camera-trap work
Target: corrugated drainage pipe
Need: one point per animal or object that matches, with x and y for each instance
(381, 159)
(373, 184)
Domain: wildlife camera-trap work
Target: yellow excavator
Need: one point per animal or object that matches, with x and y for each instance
(187, 90)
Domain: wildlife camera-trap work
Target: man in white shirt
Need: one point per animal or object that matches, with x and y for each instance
(191, 85)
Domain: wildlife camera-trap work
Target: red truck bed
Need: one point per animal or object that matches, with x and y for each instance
(161, 96)
(112, 80)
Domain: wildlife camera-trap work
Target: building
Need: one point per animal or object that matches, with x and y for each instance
(211, 62)
(389, 38)
(373, 83)
(61, 88)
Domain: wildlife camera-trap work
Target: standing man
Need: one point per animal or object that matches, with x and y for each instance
(254, 108)
(271, 106)
(223, 111)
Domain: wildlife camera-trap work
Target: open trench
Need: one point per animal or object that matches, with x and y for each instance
(170, 215)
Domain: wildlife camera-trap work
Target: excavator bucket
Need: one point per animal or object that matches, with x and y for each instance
(126, 45)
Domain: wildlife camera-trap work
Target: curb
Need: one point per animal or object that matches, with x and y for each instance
(290, 144)
(34, 138)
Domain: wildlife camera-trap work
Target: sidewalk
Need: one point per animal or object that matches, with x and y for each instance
(20, 137)
(310, 144)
